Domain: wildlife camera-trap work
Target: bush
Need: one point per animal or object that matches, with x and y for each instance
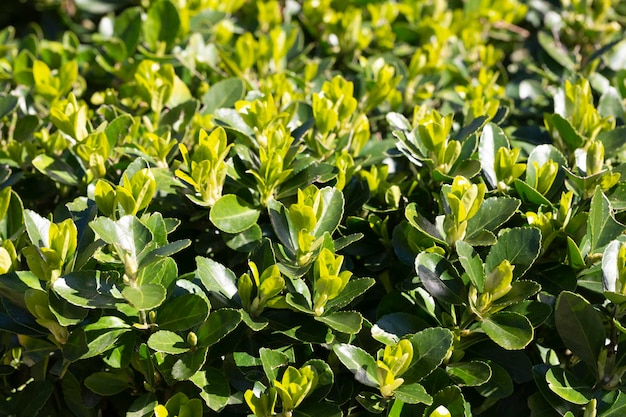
(324, 208)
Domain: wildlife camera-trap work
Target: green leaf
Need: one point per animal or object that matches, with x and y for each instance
(520, 246)
(7, 104)
(182, 312)
(37, 228)
(359, 362)
(57, 169)
(102, 335)
(500, 385)
(182, 367)
(223, 94)
(617, 407)
(372, 402)
(216, 278)
(520, 291)
(167, 342)
(161, 25)
(492, 138)
(602, 227)
(332, 211)
(412, 394)
(164, 251)
(430, 347)
(555, 51)
(127, 234)
(493, 212)
(214, 388)
(567, 386)
(272, 360)
(529, 195)
(470, 374)
(317, 409)
(440, 278)
(89, 289)
(219, 324)
(110, 382)
(422, 224)
(354, 288)
(145, 297)
(580, 327)
(510, 330)
(343, 321)
(33, 397)
(568, 134)
(143, 406)
(613, 140)
(231, 214)
(472, 264)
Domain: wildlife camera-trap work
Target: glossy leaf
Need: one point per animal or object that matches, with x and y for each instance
(219, 324)
(233, 215)
(167, 342)
(343, 321)
(440, 278)
(602, 227)
(214, 388)
(580, 327)
(359, 362)
(471, 374)
(430, 347)
(510, 330)
(520, 246)
(567, 386)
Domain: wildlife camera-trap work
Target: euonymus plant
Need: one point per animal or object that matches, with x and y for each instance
(323, 208)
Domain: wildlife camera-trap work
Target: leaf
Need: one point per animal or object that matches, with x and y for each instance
(317, 409)
(469, 374)
(7, 104)
(164, 251)
(33, 397)
(216, 278)
(440, 278)
(343, 321)
(232, 214)
(37, 228)
(602, 227)
(183, 367)
(510, 330)
(102, 335)
(555, 51)
(580, 327)
(472, 264)
(568, 134)
(520, 246)
(617, 407)
(145, 297)
(109, 383)
(492, 138)
(272, 360)
(493, 213)
(359, 362)
(89, 289)
(161, 25)
(613, 140)
(567, 386)
(57, 169)
(529, 195)
(412, 394)
(143, 406)
(219, 324)
(182, 312)
(422, 224)
(520, 291)
(214, 388)
(223, 94)
(167, 342)
(127, 234)
(354, 288)
(430, 347)
(500, 385)
(332, 212)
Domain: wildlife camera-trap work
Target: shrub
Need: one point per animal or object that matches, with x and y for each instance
(325, 208)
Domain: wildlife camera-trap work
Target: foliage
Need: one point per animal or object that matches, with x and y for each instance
(282, 208)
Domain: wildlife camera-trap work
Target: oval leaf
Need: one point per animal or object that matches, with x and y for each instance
(512, 331)
(231, 214)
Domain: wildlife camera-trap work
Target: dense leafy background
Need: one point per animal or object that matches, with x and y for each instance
(313, 207)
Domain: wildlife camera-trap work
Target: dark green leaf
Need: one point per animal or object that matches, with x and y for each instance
(520, 246)
(272, 360)
(580, 327)
(219, 324)
(164, 251)
(127, 234)
(182, 367)
(214, 387)
(440, 278)
(143, 406)
(110, 382)
(7, 104)
(102, 335)
(493, 212)
(602, 227)
(354, 288)
(89, 289)
(57, 169)
(33, 397)
(471, 374)
(500, 385)
(430, 347)
(510, 330)
(182, 312)
(472, 264)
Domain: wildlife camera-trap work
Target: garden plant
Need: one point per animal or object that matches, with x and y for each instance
(317, 208)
